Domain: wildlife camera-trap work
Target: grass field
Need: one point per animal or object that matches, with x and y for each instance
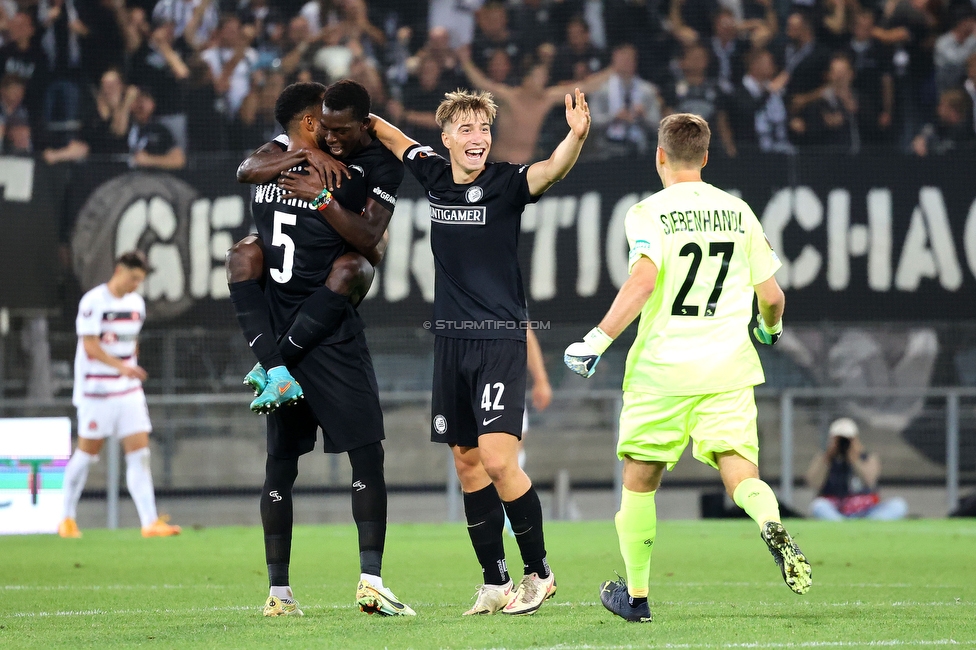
(713, 585)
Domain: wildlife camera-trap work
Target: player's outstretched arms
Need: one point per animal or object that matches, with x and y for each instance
(389, 136)
(268, 161)
(545, 173)
(581, 357)
(772, 302)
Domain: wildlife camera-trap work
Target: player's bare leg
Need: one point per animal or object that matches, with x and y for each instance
(742, 482)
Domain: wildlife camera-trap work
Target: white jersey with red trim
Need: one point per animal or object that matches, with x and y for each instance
(117, 323)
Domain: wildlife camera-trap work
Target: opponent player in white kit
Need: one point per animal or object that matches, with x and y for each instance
(108, 393)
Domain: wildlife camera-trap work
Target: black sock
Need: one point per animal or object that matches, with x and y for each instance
(637, 602)
(486, 520)
(525, 513)
(320, 314)
(254, 317)
(276, 516)
(369, 505)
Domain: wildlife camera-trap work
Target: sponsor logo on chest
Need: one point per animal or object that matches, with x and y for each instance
(458, 215)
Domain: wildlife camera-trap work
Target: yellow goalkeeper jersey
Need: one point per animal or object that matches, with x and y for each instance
(693, 335)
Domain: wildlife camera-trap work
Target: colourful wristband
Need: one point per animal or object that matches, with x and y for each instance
(322, 201)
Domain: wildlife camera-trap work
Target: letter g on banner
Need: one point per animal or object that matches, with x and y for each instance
(137, 210)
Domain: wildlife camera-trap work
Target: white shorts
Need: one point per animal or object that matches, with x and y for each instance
(121, 416)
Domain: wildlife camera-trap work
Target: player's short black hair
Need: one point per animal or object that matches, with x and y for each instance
(295, 100)
(348, 94)
(135, 259)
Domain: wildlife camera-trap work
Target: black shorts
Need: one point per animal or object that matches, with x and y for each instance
(479, 387)
(341, 398)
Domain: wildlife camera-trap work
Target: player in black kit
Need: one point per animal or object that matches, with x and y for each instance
(301, 239)
(480, 322)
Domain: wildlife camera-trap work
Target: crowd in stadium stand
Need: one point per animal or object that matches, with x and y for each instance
(150, 81)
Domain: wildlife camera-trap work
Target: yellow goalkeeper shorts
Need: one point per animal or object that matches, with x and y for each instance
(656, 428)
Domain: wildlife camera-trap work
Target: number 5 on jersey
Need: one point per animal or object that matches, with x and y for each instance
(279, 238)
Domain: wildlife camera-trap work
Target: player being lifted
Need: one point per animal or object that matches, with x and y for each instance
(479, 322)
(300, 239)
(697, 257)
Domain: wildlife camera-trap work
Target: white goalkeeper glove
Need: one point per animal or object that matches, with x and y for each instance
(764, 333)
(581, 357)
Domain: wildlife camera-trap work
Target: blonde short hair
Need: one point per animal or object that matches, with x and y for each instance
(461, 102)
(684, 137)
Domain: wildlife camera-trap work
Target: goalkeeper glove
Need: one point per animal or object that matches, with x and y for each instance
(765, 334)
(581, 357)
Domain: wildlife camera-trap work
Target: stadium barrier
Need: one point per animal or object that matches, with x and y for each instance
(783, 429)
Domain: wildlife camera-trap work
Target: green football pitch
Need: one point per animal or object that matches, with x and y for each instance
(713, 585)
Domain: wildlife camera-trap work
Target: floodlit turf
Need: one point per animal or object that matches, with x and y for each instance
(713, 585)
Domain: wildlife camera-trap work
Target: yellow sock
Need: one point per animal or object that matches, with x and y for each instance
(757, 499)
(636, 529)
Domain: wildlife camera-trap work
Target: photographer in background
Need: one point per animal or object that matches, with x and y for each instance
(846, 480)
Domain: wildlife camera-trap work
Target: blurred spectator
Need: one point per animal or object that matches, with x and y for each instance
(200, 16)
(320, 14)
(728, 52)
(969, 85)
(873, 80)
(500, 69)
(21, 56)
(230, 61)
(438, 45)
(156, 63)
(846, 479)
(805, 61)
(693, 91)
(60, 30)
(257, 109)
(106, 128)
(150, 143)
(296, 51)
(837, 22)
(203, 120)
(907, 26)
(101, 42)
(692, 20)
(831, 120)
(577, 57)
(15, 133)
(522, 108)
(626, 110)
(535, 24)
(8, 8)
(456, 17)
(267, 24)
(759, 21)
(422, 94)
(953, 128)
(756, 110)
(953, 48)
(492, 33)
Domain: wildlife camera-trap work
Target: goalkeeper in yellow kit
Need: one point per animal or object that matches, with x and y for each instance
(697, 257)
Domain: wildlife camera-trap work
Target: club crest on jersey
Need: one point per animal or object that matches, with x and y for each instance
(474, 194)
(440, 424)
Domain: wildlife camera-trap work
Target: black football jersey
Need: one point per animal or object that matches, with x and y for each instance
(474, 234)
(300, 246)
